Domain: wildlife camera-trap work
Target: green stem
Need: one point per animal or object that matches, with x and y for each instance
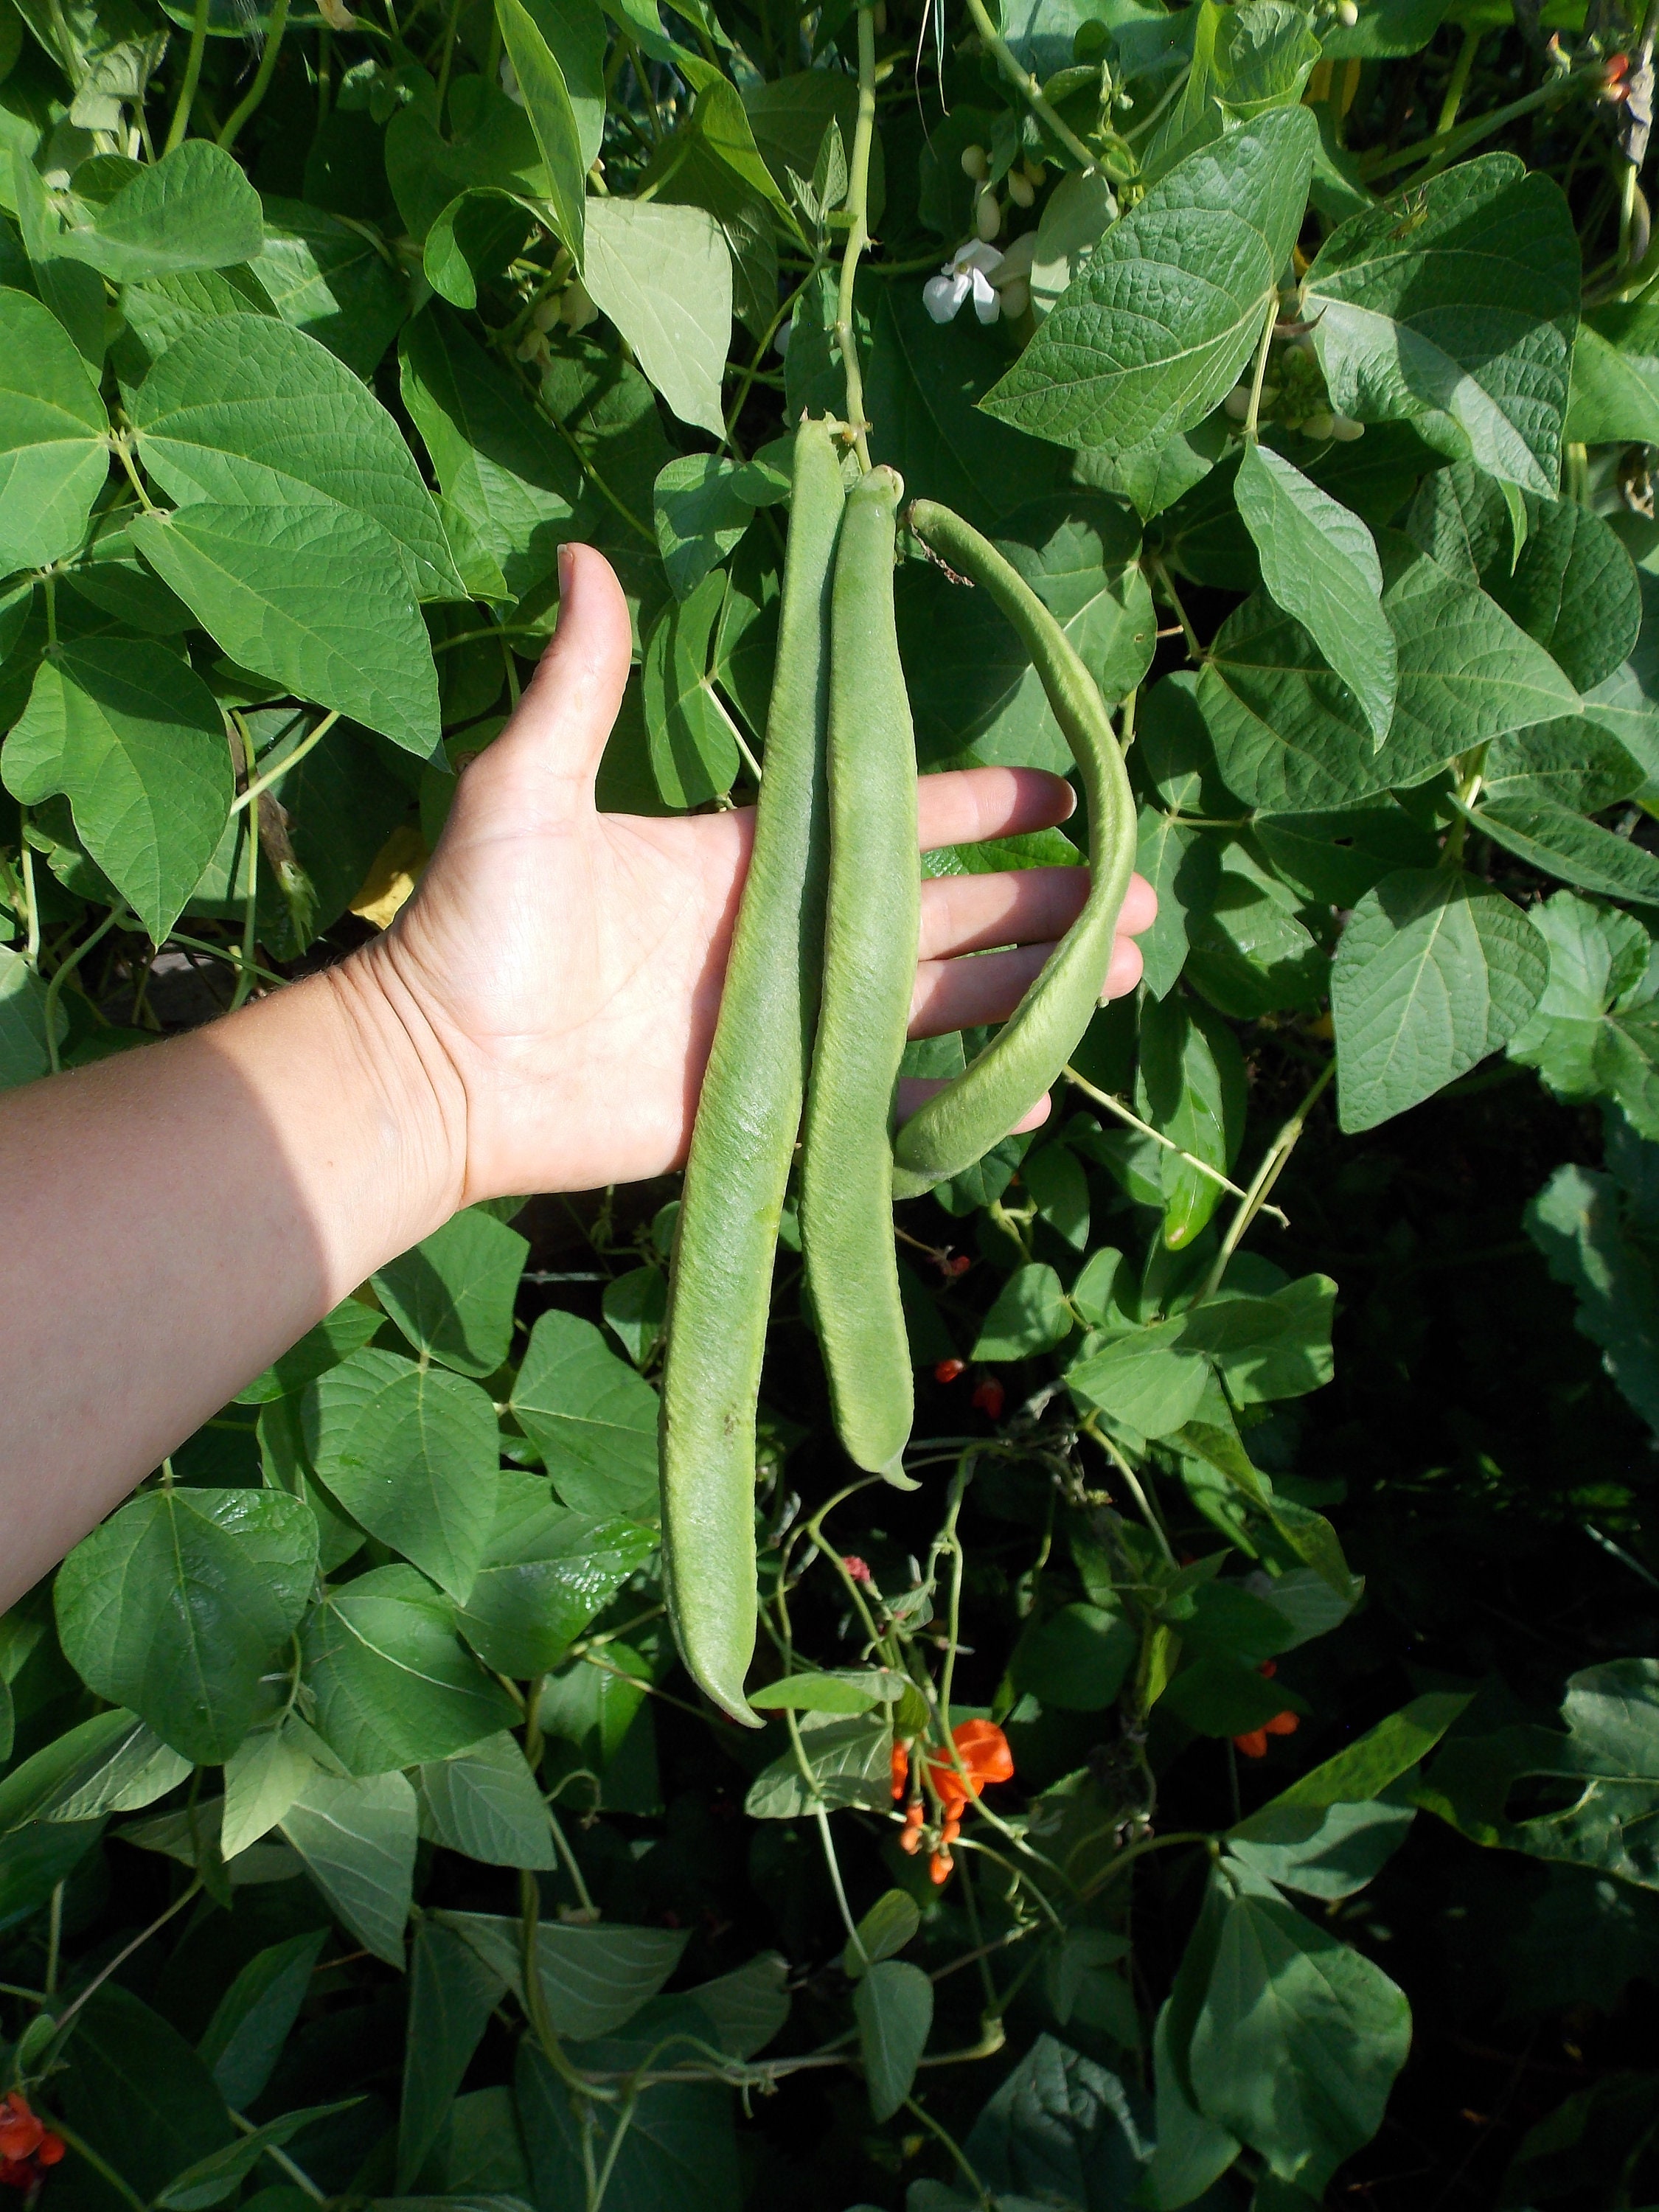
(54, 1938)
(835, 1883)
(1134, 1121)
(1261, 376)
(1457, 83)
(251, 895)
(261, 84)
(959, 2156)
(447, 57)
(857, 235)
(85, 2150)
(1436, 151)
(193, 78)
(297, 2174)
(32, 942)
(122, 1956)
(624, 2121)
(1029, 88)
(746, 382)
(1278, 1158)
(312, 738)
(60, 975)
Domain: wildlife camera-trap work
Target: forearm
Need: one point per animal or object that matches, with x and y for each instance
(175, 1218)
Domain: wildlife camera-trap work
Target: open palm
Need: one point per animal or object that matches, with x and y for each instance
(569, 963)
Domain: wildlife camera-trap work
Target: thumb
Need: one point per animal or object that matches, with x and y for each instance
(542, 766)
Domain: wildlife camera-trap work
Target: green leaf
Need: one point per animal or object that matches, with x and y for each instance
(335, 1338)
(1166, 311)
(593, 1979)
(1248, 954)
(977, 698)
(1573, 584)
(1615, 376)
(635, 1310)
(664, 276)
(53, 457)
(820, 1694)
(1190, 1087)
(1053, 1178)
(194, 209)
(1266, 1348)
(113, 1763)
(1180, 864)
(530, 34)
(1287, 736)
(591, 1416)
(1362, 1770)
(243, 410)
(1332, 1853)
(1319, 562)
(411, 1452)
(392, 1687)
(1435, 970)
(451, 1295)
(138, 2093)
(680, 2147)
(327, 278)
(745, 2007)
(484, 1803)
(492, 145)
(1298, 2040)
(262, 1777)
(1029, 1315)
(847, 1763)
(1076, 1660)
(544, 1574)
(480, 234)
(887, 1927)
(250, 2025)
(1457, 312)
(1059, 2129)
(175, 1607)
(216, 2178)
(700, 513)
(452, 1993)
(1557, 841)
(1575, 1223)
(357, 1838)
(313, 596)
(23, 1054)
(136, 741)
(693, 747)
(893, 2005)
(502, 465)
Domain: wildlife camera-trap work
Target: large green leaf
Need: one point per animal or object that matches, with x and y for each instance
(1594, 1031)
(451, 1295)
(1190, 1087)
(1575, 1223)
(680, 2147)
(893, 2005)
(848, 1761)
(410, 1451)
(1435, 970)
(176, 1605)
(1615, 376)
(132, 736)
(592, 1418)
(1060, 2129)
(358, 1840)
(250, 2022)
(53, 457)
(1287, 734)
(23, 1054)
(1319, 562)
(664, 276)
(247, 412)
(113, 1763)
(485, 1803)
(692, 738)
(333, 281)
(538, 45)
(502, 465)
(545, 1573)
(1557, 841)
(216, 2179)
(492, 146)
(1169, 307)
(194, 209)
(1457, 312)
(593, 1978)
(138, 2093)
(452, 1993)
(391, 1685)
(314, 597)
(1298, 2039)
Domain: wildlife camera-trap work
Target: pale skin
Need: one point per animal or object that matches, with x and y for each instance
(538, 1018)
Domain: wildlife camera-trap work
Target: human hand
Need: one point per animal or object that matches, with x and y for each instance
(568, 964)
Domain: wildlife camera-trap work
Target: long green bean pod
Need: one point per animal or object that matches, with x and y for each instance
(960, 1123)
(872, 926)
(748, 1118)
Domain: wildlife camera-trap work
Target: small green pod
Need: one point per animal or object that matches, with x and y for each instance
(959, 1124)
(872, 927)
(748, 1118)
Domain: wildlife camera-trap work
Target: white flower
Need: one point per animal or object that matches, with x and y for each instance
(971, 269)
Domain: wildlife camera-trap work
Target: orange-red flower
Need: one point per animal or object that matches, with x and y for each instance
(1254, 1743)
(900, 1765)
(939, 1869)
(989, 1397)
(27, 2144)
(983, 1751)
(948, 1370)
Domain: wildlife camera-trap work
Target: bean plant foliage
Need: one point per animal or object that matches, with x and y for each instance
(1228, 1777)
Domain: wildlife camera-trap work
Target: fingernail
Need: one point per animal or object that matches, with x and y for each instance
(566, 569)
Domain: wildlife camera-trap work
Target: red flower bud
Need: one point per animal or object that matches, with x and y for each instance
(1254, 1744)
(948, 1370)
(989, 1397)
(856, 1567)
(1283, 1724)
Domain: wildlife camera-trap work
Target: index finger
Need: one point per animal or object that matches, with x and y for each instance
(966, 805)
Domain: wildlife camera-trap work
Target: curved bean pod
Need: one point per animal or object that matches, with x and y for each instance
(738, 1170)
(871, 927)
(959, 1124)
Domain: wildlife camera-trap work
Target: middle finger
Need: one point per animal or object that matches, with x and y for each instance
(1016, 905)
